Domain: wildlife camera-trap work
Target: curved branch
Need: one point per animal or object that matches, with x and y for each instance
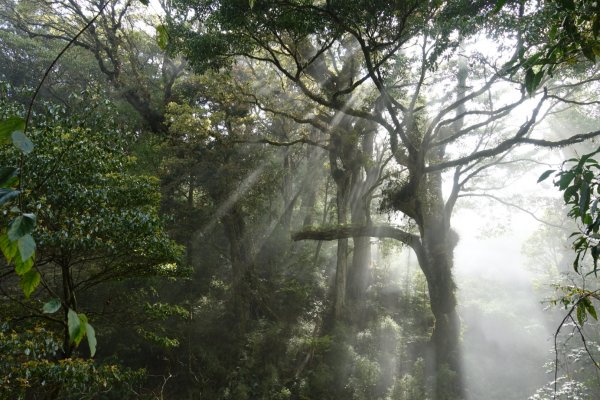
(344, 232)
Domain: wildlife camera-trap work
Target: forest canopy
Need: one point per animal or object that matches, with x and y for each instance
(233, 199)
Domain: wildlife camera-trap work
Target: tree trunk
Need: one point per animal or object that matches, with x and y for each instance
(364, 176)
(235, 231)
(436, 262)
(341, 270)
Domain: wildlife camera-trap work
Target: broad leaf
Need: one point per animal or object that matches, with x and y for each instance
(51, 307)
(591, 310)
(22, 142)
(530, 81)
(565, 180)
(82, 329)
(545, 175)
(584, 198)
(29, 282)
(73, 324)
(162, 37)
(7, 195)
(8, 247)
(581, 313)
(21, 226)
(91, 338)
(26, 246)
(8, 126)
(22, 267)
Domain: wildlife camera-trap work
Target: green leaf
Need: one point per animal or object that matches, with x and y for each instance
(6, 175)
(584, 198)
(162, 37)
(22, 267)
(21, 226)
(591, 310)
(7, 195)
(8, 126)
(9, 248)
(565, 180)
(73, 324)
(82, 329)
(545, 175)
(26, 246)
(251, 3)
(581, 313)
(529, 79)
(22, 142)
(29, 282)
(499, 5)
(91, 338)
(588, 51)
(569, 193)
(51, 307)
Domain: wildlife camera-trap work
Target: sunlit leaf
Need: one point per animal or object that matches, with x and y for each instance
(91, 338)
(22, 142)
(51, 307)
(9, 248)
(29, 282)
(73, 324)
(162, 37)
(81, 330)
(8, 126)
(22, 267)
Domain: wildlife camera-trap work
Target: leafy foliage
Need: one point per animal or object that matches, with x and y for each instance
(29, 368)
(579, 181)
(16, 242)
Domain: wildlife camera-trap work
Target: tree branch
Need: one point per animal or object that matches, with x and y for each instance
(344, 232)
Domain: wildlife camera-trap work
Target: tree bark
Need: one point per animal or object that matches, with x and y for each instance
(235, 231)
(439, 242)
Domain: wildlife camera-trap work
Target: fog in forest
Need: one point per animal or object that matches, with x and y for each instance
(299, 200)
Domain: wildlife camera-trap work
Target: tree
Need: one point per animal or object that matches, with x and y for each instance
(402, 52)
(129, 58)
(96, 221)
(562, 32)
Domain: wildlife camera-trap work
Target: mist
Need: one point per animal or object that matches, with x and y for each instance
(297, 200)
